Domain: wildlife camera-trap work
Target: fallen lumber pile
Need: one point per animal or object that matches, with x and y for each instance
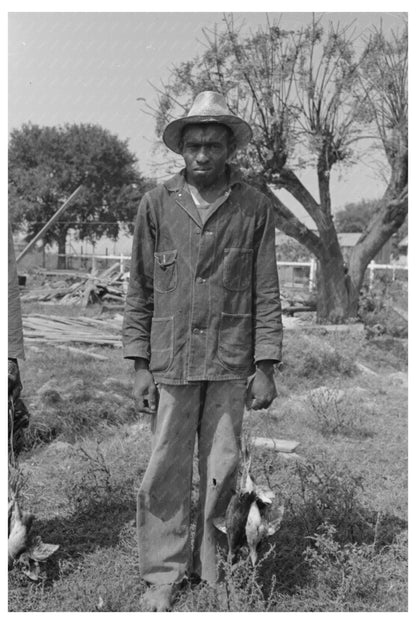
(56, 329)
(82, 288)
(293, 302)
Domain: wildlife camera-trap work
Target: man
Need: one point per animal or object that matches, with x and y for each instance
(202, 315)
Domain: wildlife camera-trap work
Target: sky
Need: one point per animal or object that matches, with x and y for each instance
(90, 67)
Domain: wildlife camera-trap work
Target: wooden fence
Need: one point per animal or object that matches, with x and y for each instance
(291, 274)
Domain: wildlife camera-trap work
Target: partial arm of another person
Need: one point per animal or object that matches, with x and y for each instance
(15, 329)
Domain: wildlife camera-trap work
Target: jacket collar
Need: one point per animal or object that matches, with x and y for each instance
(176, 183)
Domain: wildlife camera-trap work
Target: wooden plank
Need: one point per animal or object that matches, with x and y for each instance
(64, 273)
(95, 356)
(108, 271)
(293, 309)
(51, 221)
(400, 312)
(365, 369)
(281, 446)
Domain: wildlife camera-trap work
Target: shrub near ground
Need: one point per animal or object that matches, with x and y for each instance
(342, 543)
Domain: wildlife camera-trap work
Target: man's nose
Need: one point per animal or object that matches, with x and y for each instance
(202, 155)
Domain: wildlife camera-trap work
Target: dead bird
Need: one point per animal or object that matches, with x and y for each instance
(248, 518)
(25, 548)
(234, 522)
(260, 524)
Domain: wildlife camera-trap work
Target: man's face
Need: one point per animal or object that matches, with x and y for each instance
(205, 151)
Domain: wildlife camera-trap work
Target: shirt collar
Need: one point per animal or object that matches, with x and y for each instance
(177, 182)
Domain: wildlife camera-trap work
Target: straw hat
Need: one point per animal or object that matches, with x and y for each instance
(208, 107)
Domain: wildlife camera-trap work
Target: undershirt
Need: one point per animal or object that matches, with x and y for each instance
(205, 208)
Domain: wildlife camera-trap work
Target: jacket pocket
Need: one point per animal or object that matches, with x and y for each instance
(237, 270)
(235, 348)
(165, 271)
(161, 343)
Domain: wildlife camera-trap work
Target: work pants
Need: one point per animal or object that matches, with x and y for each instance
(212, 411)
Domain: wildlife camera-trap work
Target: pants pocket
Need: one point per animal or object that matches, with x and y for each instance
(161, 343)
(235, 349)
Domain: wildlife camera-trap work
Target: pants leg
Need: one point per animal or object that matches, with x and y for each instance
(164, 499)
(219, 435)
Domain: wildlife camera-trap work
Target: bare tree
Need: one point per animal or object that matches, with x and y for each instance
(384, 84)
(310, 97)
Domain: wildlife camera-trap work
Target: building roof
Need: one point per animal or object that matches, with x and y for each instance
(348, 239)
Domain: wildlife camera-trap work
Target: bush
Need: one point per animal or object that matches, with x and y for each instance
(72, 420)
(375, 306)
(355, 577)
(310, 357)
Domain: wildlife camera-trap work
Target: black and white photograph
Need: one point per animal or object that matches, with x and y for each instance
(207, 309)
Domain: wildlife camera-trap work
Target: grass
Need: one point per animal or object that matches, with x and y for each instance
(342, 544)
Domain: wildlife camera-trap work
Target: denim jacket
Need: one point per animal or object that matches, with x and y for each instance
(203, 300)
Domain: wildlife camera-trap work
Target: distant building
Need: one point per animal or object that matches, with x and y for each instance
(403, 249)
(348, 240)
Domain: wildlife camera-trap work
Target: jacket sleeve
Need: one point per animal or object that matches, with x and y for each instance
(139, 301)
(15, 329)
(267, 312)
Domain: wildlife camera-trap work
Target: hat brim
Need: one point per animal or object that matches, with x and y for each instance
(173, 132)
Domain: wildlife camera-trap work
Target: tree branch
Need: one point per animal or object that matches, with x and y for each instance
(286, 221)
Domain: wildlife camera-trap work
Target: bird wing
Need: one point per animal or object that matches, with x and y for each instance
(219, 524)
(274, 523)
(265, 495)
(41, 551)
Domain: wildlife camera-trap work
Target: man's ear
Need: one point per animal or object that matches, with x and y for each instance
(232, 150)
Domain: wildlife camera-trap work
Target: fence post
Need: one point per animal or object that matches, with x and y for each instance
(312, 274)
(372, 263)
(121, 262)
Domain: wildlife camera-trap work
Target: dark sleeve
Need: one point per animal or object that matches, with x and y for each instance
(15, 328)
(139, 301)
(267, 313)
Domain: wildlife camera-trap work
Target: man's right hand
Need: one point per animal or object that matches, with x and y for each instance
(144, 389)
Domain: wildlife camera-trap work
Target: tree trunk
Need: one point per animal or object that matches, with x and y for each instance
(335, 294)
(61, 240)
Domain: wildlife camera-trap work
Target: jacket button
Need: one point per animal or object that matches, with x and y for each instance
(198, 231)
(200, 280)
(196, 330)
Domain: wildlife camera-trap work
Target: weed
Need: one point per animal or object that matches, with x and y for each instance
(238, 590)
(97, 477)
(334, 415)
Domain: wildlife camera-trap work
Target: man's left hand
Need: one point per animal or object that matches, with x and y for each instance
(262, 389)
(14, 382)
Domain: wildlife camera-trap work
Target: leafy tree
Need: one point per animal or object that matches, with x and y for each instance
(46, 164)
(355, 217)
(309, 97)
(289, 250)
